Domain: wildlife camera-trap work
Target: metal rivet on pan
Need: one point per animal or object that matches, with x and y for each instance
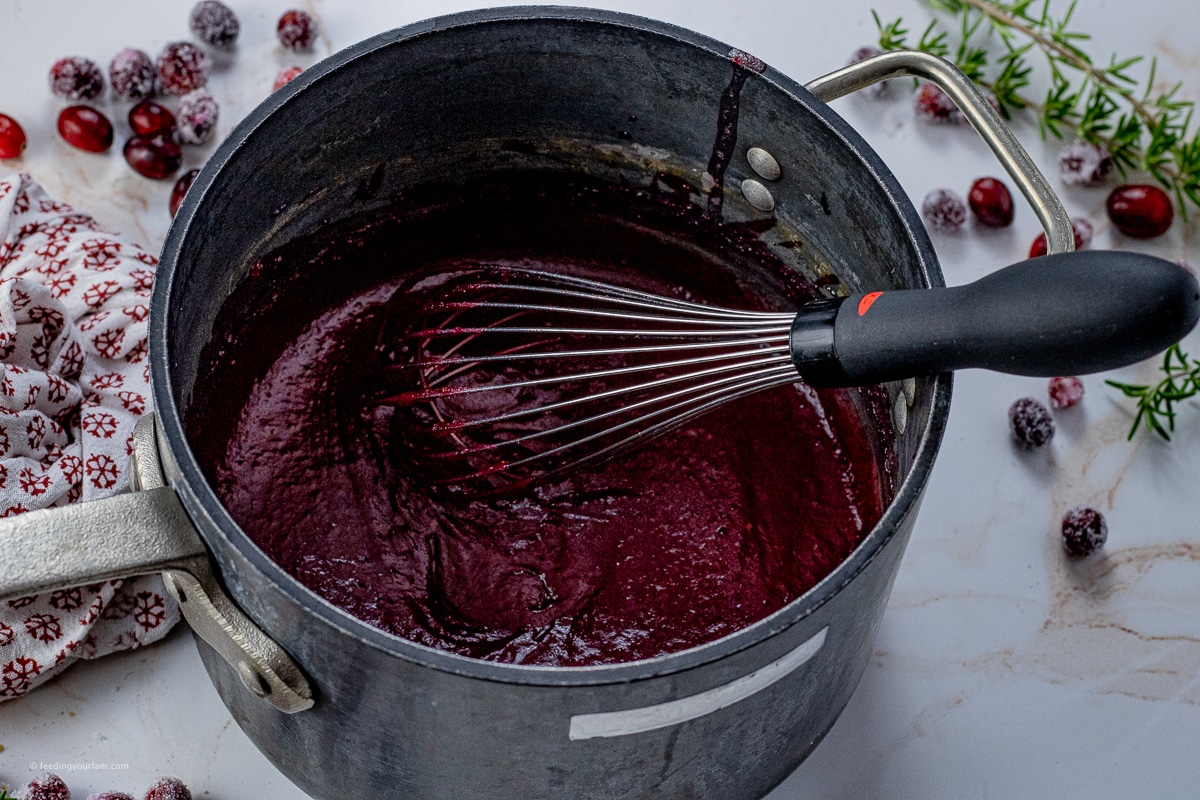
(900, 413)
(757, 195)
(763, 163)
(910, 389)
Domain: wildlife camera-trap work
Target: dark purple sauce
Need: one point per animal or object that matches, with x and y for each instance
(703, 533)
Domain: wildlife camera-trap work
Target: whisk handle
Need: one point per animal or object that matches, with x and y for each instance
(1064, 314)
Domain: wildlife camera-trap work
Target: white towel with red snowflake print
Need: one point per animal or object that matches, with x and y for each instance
(74, 378)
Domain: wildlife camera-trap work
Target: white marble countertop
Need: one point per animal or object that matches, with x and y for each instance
(1002, 669)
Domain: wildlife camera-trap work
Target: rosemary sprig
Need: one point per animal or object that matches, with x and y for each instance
(1156, 404)
(1142, 128)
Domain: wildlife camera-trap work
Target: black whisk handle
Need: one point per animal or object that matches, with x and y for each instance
(1065, 314)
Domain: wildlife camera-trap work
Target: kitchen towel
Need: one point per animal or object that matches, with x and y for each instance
(74, 378)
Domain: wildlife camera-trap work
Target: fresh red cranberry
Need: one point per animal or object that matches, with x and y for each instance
(86, 128)
(285, 77)
(1065, 392)
(215, 23)
(76, 78)
(131, 73)
(931, 104)
(46, 787)
(1030, 422)
(198, 113)
(183, 67)
(12, 137)
(109, 796)
(944, 211)
(168, 789)
(1083, 237)
(1082, 163)
(148, 118)
(296, 29)
(876, 91)
(1084, 531)
(991, 202)
(153, 156)
(1140, 211)
(180, 189)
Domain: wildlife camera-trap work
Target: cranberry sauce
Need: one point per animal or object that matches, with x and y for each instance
(704, 532)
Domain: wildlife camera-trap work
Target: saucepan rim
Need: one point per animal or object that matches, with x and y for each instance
(202, 503)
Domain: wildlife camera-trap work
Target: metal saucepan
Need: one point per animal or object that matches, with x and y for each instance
(346, 710)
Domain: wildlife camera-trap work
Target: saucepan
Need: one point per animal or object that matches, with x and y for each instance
(347, 710)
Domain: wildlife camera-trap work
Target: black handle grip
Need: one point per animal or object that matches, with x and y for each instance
(1066, 314)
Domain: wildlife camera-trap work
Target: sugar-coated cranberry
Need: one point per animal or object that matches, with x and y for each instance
(1084, 531)
(153, 156)
(148, 118)
(168, 789)
(180, 189)
(991, 202)
(131, 73)
(296, 29)
(1065, 391)
(214, 22)
(285, 77)
(86, 128)
(944, 211)
(1082, 163)
(109, 796)
(76, 78)
(45, 787)
(198, 113)
(1140, 210)
(931, 104)
(183, 67)
(1083, 237)
(875, 91)
(1031, 423)
(12, 137)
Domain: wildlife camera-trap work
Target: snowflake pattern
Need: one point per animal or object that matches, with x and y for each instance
(74, 379)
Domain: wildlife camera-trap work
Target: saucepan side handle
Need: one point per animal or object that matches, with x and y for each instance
(144, 532)
(976, 108)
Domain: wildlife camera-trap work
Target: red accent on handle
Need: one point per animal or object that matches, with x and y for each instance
(867, 300)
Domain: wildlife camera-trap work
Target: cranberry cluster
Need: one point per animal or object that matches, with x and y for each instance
(181, 70)
(52, 787)
(989, 200)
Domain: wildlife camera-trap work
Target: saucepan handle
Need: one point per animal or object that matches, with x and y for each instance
(144, 532)
(976, 108)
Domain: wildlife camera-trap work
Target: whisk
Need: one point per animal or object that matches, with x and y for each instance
(511, 375)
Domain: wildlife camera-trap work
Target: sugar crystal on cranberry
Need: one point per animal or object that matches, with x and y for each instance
(932, 105)
(12, 137)
(1065, 391)
(45, 787)
(296, 29)
(183, 67)
(1084, 531)
(285, 77)
(214, 22)
(1030, 422)
(131, 73)
(110, 796)
(168, 789)
(943, 211)
(1082, 163)
(198, 113)
(76, 78)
